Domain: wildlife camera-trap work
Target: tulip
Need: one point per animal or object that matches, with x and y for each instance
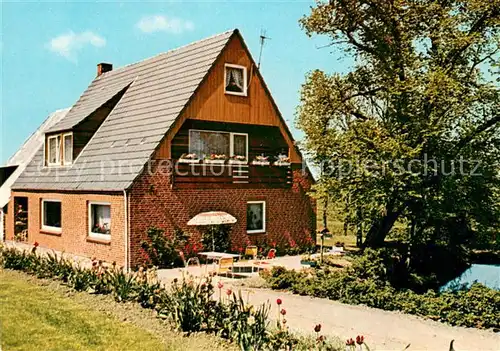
(349, 342)
(283, 311)
(317, 328)
(279, 302)
(228, 292)
(360, 339)
(36, 244)
(220, 285)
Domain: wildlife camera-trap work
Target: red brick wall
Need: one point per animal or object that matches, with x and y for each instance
(74, 221)
(290, 213)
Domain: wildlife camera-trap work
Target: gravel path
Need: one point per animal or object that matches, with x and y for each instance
(383, 330)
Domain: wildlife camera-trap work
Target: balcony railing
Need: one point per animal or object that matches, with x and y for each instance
(206, 175)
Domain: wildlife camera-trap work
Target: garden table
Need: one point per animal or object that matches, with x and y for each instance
(215, 256)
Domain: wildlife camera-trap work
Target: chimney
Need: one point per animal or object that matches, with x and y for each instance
(103, 68)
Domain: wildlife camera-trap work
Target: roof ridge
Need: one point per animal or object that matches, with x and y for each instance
(167, 52)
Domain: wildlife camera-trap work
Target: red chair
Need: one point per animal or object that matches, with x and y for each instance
(271, 254)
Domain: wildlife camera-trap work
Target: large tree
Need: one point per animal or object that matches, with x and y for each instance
(412, 132)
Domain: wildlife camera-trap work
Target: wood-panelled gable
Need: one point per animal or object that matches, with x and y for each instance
(211, 103)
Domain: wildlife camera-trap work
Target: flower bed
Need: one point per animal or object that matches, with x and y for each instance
(190, 305)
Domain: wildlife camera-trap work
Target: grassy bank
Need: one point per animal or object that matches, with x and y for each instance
(52, 317)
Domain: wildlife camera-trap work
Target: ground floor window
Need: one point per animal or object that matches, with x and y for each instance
(100, 220)
(256, 216)
(51, 215)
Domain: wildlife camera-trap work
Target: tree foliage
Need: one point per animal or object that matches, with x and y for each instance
(412, 132)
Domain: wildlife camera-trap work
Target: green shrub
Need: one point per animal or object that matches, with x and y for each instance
(367, 281)
(162, 250)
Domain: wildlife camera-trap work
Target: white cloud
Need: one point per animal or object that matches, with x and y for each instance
(160, 23)
(67, 45)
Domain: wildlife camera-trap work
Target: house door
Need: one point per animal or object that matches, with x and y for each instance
(21, 218)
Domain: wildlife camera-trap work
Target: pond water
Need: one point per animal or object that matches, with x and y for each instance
(487, 274)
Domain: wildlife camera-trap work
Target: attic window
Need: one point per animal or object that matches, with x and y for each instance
(54, 147)
(68, 148)
(235, 78)
(59, 149)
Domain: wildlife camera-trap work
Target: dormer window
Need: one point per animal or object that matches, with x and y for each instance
(59, 149)
(235, 80)
(54, 147)
(68, 148)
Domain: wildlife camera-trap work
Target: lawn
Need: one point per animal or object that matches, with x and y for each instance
(48, 318)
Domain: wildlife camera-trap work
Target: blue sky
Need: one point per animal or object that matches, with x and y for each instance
(50, 50)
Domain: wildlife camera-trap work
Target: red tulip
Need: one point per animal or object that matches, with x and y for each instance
(360, 339)
(283, 311)
(36, 244)
(220, 285)
(317, 328)
(349, 342)
(228, 292)
(279, 302)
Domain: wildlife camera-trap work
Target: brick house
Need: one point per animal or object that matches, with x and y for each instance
(157, 142)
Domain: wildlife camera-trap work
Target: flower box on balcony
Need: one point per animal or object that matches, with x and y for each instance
(261, 163)
(281, 163)
(189, 160)
(219, 162)
(237, 162)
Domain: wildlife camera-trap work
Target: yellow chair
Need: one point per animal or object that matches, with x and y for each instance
(225, 266)
(252, 251)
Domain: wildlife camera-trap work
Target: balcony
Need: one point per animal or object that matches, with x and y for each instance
(206, 175)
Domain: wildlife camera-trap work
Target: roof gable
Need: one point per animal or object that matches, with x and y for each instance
(211, 103)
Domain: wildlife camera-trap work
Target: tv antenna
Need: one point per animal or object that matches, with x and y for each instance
(263, 38)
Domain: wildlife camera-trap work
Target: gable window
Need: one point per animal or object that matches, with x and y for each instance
(68, 148)
(54, 146)
(256, 217)
(205, 143)
(51, 215)
(235, 80)
(100, 220)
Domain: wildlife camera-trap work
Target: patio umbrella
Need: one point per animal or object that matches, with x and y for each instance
(212, 218)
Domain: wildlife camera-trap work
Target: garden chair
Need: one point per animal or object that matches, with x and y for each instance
(225, 266)
(251, 251)
(271, 254)
(261, 263)
(192, 260)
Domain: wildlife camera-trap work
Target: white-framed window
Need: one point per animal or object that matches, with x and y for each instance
(235, 79)
(203, 143)
(53, 150)
(100, 220)
(256, 217)
(51, 215)
(68, 148)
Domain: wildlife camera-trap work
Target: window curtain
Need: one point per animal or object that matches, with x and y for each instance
(207, 143)
(101, 217)
(54, 149)
(234, 76)
(240, 145)
(68, 149)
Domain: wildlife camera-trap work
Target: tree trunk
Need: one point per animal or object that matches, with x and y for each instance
(379, 230)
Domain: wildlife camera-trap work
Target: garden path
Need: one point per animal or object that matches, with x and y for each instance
(383, 330)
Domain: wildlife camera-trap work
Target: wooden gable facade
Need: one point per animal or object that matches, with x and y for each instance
(210, 103)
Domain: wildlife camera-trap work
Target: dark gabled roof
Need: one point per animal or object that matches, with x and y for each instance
(158, 90)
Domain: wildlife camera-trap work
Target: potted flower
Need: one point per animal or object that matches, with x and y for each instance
(216, 158)
(189, 158)
(261, 161)
(238, 160)
(282, 160)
